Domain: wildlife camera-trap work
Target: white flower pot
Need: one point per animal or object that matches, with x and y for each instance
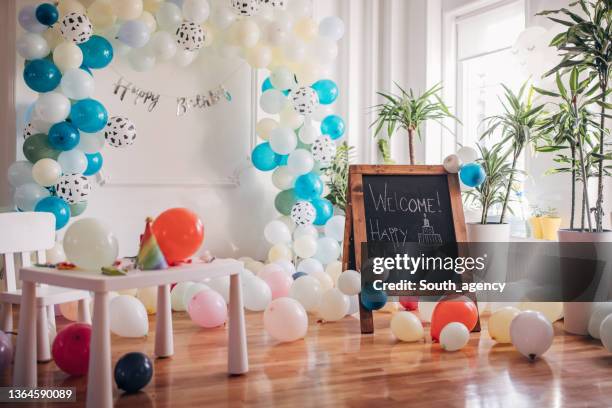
(488, 232)
(577, 314)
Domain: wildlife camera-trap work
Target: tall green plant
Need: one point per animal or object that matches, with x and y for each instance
(408, 111)
(337, 175)
(587, 43)
(518, 125)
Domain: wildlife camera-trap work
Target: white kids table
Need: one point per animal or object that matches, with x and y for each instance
(99, 380)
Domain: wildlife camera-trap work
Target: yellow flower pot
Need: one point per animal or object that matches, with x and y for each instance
(536, 227)
(550, 226)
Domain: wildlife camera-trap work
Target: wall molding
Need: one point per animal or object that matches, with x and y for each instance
(8, 115)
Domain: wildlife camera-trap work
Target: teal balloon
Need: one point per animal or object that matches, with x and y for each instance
(327, 90)
(282, 159)
(373, 299)
(37, 147)
(89, 115)
(41, 75)
(472, 174)
(47, 14)
(64, 136)
(94, 163)
(78, 208)
(97, 52)
(264, 158)
(333, 126)
(56, 206)
(284, 201)
(324, 209)
(308, 186)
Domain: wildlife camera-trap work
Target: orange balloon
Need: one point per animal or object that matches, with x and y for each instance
(453, 309)
(179, 233)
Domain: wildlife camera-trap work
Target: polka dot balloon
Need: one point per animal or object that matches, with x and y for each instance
(190, 36)
(245, 8)
(73, 188)
(76, 27)
(274, 3)
(323, 150)
(120, 131)
(305, 100)
(29, 130)
(303, 213)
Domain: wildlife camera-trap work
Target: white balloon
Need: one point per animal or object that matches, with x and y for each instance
(163, 45)
(272, 101)
(27, 195)
(282, 178)
(309, 133)
(73, 161)
(283, 140)
(276, 232)
(67, 56)
(222, 17)
(328, 250)
(52, 107)
(334, 269)
(277, 34)
(20, 173)
(605, 331)
(452, 163)
(531, 333)
(286, 320)
(77, 84)
(55, 254)
(128, 317)
(256, 293)
(305, 230)
(310, 265)
(300, 162)
(32, 46)
(334, 305)
(322, 112)
(46, 172)
(332, 27)
(281, 78)
(467, 154)
(168, 16)
(287, 266)
(183, 57)
(141, 59)
(193, 290)
(349, 282)
(221, 285)
(426, 309)
(600, 312)
(246, 33)
(354, 307)
(454, 336)
(407, 327)
(300, 8)
(265, 127)
(305, 246)
(334, 228)
(295, 50)
(307, 290)
(91, 142)
(148, 19)
(196, 10)
(177, 296)
(324, 279)
(27, 19)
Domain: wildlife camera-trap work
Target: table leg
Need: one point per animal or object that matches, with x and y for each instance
(25, 356)
(164, 342)
(6, 320)
(43, 346)
(237, 356)
(99, 381)
(83, 314)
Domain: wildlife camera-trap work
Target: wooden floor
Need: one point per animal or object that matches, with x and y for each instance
(337, 366)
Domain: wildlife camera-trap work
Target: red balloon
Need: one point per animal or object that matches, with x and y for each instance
(179, 233)
(70, 348)
(453, 309)
(409, 303)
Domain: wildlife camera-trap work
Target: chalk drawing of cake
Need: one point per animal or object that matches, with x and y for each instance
(428, 235)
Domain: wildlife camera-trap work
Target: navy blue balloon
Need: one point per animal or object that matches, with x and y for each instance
(47, 14)
(333, 126)
(264, 158)
(327, 90)
(324, 209)
(89, 115)
(373, 299)
(64, 136)
(94, 163)
(308, 186)
(298, 275)
(97, 52)
(472, 174)
(56, 206)
(41, 75)
(133, 372)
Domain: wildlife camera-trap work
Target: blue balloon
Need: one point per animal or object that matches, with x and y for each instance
(64, 136)
(373, 299)
(56, 206)
(324, 209)
(264, 158)
(327, 90)
(86, 69)
(94, 163)
(282, 159)
(97, 52)
(333, 126)
(267, 84)
(308, 186)
(89, 115)
(133, 372)
(47, 14)
(41, 75)
(298, 275)
(472, 174)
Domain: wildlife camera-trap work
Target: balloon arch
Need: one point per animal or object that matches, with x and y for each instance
(64, 43)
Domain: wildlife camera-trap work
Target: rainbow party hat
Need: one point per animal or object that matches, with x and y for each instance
(150, 256)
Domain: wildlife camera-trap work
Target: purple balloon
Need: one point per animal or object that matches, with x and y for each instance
(29, 22)
(6, 351)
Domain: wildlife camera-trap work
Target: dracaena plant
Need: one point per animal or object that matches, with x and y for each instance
(492, 192)
(337, 175)
(587, 44)
(408, 111)
(518, 125)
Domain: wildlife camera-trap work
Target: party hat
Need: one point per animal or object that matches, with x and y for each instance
(150, 255)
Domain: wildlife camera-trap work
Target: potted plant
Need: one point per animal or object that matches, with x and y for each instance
(337, 175)
(545, 223)
(408, 111)
(534, 222)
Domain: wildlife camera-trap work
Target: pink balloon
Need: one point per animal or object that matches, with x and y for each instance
(207, 309)
(278, 281)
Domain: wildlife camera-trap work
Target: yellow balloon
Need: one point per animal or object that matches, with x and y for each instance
(499, 324)
(70, 310)
(264, 127)
(246, 33)
(278, 59)
(148, 297)
(101, 14)
(280, 251)
(307, 73)
(152, 5)
(53, 36)
(254, 266)
(389, 307)
(70, 6)
(67, 56)
(306, 28)
(127, 9)
(552, 310)
(406, 326)
(128, 292)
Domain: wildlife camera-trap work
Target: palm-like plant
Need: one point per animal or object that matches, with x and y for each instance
(408, 111)
(587, 43)
(519, 127)
(492, 192)
(337, 175)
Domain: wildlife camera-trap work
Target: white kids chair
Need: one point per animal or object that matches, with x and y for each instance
(21, 235)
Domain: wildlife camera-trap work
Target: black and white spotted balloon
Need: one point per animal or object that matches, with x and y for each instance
(73, 188)
(76, 27)
(245, 8)
(305, 100)
(190, 36)
(274, 3)
(303, 213)
(323, 150)
(29, 130)
(120, 131)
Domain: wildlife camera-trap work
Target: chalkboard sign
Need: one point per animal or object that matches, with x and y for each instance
(400, 205)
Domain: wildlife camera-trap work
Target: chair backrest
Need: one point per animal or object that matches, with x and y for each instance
(21, 234)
